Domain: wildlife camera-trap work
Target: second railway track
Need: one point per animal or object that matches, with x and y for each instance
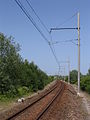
(36, 109)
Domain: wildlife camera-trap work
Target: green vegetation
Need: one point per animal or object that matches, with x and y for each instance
(17, 76)
(73, 76)
(84, 80)
(85, 83)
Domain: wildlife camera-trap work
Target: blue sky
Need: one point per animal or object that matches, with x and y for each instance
(52, 13)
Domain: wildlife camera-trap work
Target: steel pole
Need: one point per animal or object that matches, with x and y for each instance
(68, 71)
(78, 53)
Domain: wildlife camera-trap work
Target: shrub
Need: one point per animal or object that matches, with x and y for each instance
(88, 89)
(85, 83)
(23, 90)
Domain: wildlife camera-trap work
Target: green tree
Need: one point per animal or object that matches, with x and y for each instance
(73, 76)
(88, 72)
(85, 83)
(9, 63)
(18, 76)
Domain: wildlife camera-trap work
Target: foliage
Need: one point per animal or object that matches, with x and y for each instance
(18, 76)
(9, 63)
(66, 78)
(23, 90)
(84, 80)
(88, 72)
(73, 76)
(85, 83)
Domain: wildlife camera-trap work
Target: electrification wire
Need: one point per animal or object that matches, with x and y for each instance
(37, 15)
(66, 40)
(54, 55)
(31, 19)
(53, 49)
(74, 43)
(57, 42)
(51, 42)
(67, 20)
(35, 25)
(72, 40)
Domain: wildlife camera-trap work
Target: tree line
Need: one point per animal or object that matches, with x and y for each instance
(18, 76)
(84, 80)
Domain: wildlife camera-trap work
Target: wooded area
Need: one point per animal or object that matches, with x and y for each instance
(84, 80)
(18, 76)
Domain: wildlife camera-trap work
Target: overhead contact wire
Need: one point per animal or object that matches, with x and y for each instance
(35, 25)
(37, 15)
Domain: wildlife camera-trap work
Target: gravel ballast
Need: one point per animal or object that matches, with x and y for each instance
(68, 107)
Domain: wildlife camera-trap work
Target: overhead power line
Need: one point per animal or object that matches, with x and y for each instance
(67, 20)
(54, 55)
(52, 49)
(31, 19)
(37, 15)
(52, 29)
(51, 42)
(36, 26)
(64, 41)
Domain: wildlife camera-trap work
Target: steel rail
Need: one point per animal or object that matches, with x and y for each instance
(50, 103)
(21, 111)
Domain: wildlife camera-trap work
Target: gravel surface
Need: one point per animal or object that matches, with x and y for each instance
(85, 100)
(68, 107)
(32, 112)
(19, 106)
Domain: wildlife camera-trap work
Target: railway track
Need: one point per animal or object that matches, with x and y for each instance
(51, 102)
(36, 109)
